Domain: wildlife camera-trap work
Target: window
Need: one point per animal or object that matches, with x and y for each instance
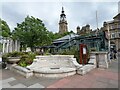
(118, 26)
(111, 26)
(118, 34)
(113, 35)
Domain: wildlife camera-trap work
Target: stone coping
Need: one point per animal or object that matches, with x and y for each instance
(85, 69)
(23, 69)
(13, 57)
(55, 56)
(100, 52)
(55, 75)
(50, 70)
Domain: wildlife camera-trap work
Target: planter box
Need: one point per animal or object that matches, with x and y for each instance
(13, 59)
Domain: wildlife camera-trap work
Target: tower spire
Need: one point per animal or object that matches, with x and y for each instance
(63, 22)
(62, 10)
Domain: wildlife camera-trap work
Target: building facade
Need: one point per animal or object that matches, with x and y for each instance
(63, 23)
(114, 32)
(84, 30)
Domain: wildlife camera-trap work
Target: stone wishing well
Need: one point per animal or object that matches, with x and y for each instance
(57, 66)
(53, 66)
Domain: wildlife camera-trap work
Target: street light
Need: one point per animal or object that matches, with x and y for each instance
(108, 40)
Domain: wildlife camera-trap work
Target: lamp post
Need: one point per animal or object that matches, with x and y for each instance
(108, 40)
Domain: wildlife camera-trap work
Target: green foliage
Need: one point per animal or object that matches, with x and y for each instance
(26, 59)
(57, 35)
(5, 29)
(1, 47)
(32, 32)
(15, 54)
(77, 56)
(70, 51)
(93, 49)
(12, 54)
(73, 51)
(5, 58)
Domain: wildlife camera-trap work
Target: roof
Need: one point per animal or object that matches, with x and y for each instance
(117, 16)
(67, 37)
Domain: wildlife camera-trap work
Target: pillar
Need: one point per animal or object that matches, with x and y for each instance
(7, 46)
(3, 46)
(15, 45)
(10, 45)
(18, 45)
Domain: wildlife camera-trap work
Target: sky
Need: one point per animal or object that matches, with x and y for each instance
(78, 13)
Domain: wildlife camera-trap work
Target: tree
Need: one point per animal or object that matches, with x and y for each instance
(58, 35)
(32, 32)
(5, 30)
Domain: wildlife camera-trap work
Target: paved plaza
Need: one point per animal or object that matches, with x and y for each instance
(97, 78)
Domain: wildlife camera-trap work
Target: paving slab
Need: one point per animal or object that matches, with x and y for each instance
(112, 86)
(0, 84)
(6, 85)
(97, 78)
(99, 85)
(20, 85)
(8, 80)
(12, 83)
(37, 85)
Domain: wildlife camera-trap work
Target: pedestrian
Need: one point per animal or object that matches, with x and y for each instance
(111, 54)
(114, 52)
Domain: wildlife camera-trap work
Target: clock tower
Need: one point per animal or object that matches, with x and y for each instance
(63, 23)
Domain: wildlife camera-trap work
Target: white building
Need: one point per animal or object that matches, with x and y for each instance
(10, 45)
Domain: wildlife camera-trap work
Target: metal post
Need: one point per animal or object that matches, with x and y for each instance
(96, 20)
(108, 41)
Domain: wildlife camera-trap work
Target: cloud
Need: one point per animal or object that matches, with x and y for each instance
(77, 13)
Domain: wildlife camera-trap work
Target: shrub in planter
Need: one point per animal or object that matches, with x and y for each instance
(14, 57)
(26, 59)
(77, 55)
(15, 54)
(5, 58)
(93, 49)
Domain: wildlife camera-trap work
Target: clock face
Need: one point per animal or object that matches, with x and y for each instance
(63, 18)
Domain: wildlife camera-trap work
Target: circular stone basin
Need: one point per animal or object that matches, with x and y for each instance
(54, 71)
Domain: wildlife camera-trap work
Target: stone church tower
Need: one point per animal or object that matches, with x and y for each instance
(63, 23)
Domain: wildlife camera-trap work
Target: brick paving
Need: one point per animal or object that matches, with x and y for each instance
(97, 78)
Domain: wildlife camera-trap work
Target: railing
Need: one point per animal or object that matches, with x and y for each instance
(66, 44)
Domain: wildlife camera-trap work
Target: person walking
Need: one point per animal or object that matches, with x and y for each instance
(114, 53)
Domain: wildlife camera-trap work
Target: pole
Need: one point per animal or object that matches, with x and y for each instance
(96, 19)
(108, 40)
